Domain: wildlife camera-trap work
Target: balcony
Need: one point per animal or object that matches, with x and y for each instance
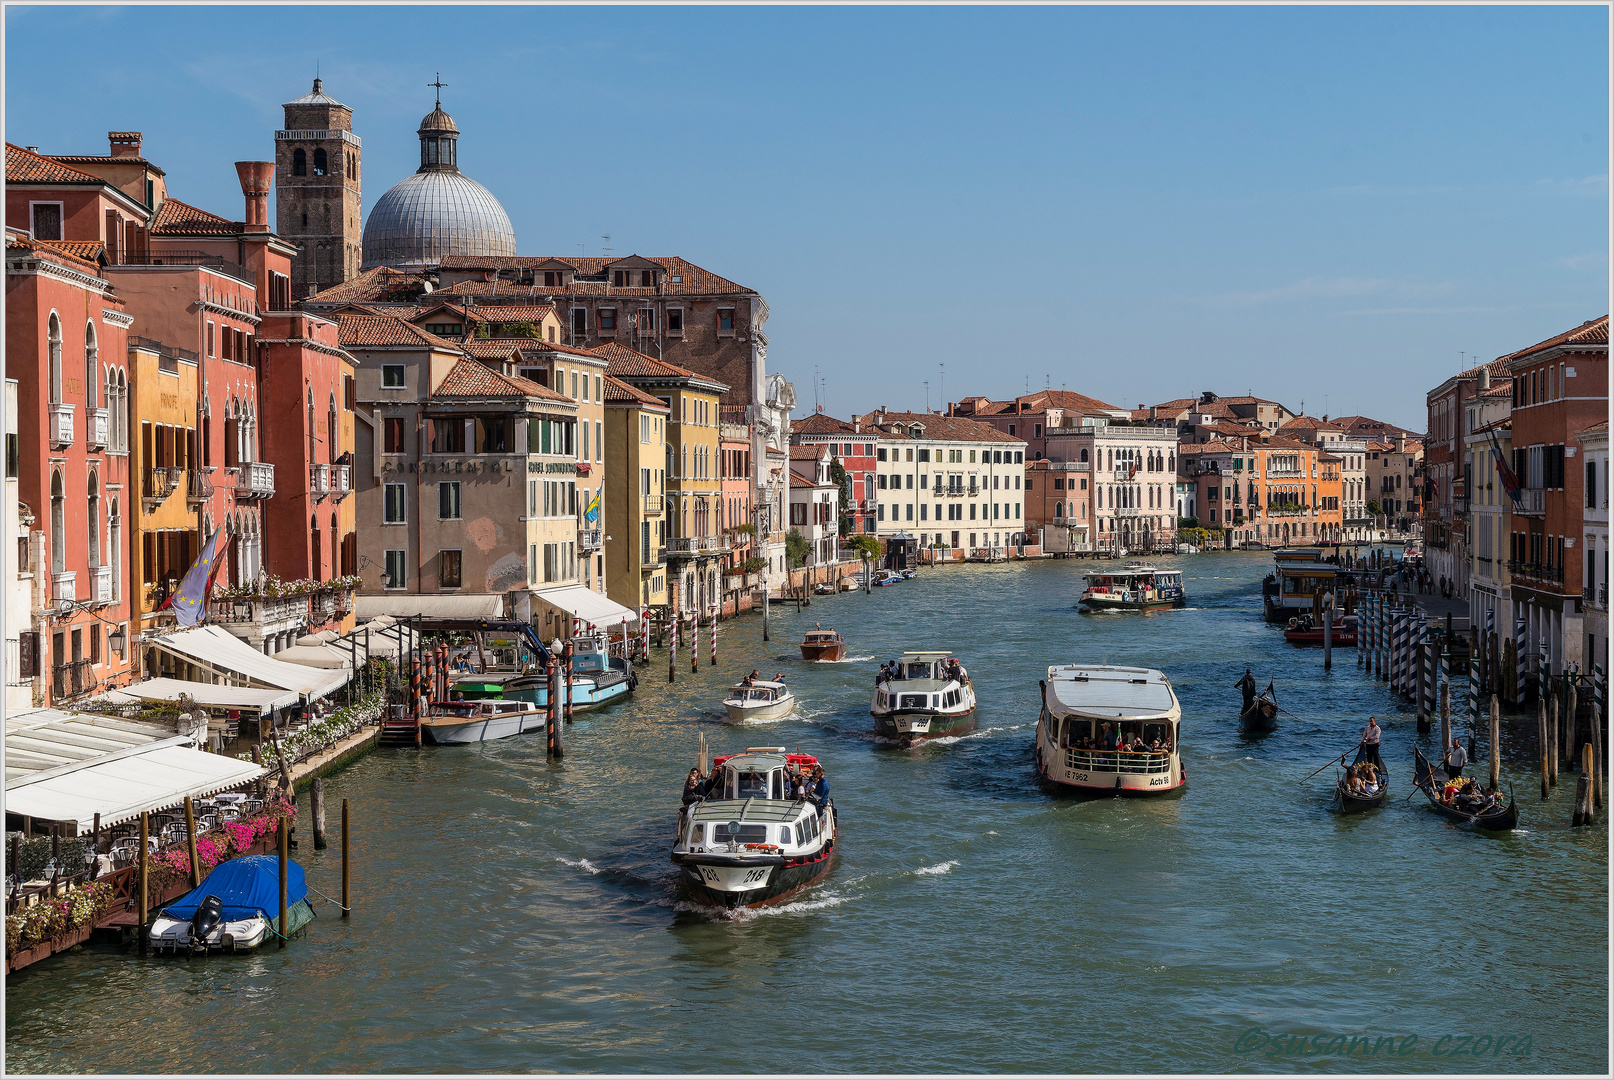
(319, 480)
(159, 485)
(64, 586)
(1595, 598)
(957, 492)
(252, 618)
(254, 480)
(740, 432)
(697, 545)
(1127, 512)
(590, 539)
(101, 577)
(198, 487)
(97, 422)
(1532, 501)
(181, 257)
(652, 504)
(1285, 474)
(1534, 573)
(341, 481)
(61, 424)
(73, 678)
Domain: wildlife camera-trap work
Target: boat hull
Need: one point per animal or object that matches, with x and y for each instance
(1358, 804)
(1106, 783)
(824, 653)
(737, 883)
(240, 935)
(909, 727)
(1097, 603)
(585, 693)
(1262, 715)
(777, 710)
(448, 731)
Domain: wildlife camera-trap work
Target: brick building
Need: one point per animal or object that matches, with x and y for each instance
(1445, 519)
(854, 450)
(1033, 417)
(318, 191)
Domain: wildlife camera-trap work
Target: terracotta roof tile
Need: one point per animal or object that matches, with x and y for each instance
(820, 424)
(469, 378)
(618, 392)
(107, 159)
(1364, 427)
(1043, 400)
(26, 167)
(64, 253)
(695, 280)
(175, 218)
(628, 363)
(376, 283)
(1310, 423)
(491, 348)
(941, 428)
(376, 331)
(1591, 332)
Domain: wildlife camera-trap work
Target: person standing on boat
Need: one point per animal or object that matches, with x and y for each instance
(694, 790)
(818, 790)
(1246, 686)
(1456, 758)
(1370, 743)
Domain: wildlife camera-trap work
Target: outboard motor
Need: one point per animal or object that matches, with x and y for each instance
(209, 915)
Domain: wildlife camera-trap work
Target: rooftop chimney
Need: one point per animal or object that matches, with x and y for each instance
(124, 143)
(1484, 379)
(1401, 442)
(256, 177)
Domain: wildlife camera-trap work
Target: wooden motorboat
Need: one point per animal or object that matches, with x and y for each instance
(821, 644)
(1304, 630)
(1350, 803)
(756, 699)
(1500, 816)
(598, 678)
(234, 908)
(1085, 706)
(480, 720)
(930, 696)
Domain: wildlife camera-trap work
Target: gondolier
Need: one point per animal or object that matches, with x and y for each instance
(1456, 758)
(1370, 742)
(1246, 686)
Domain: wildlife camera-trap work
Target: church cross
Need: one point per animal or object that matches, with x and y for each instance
(439, 84)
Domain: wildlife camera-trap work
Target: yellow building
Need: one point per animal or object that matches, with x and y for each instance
(697, 546)
(635, 485)
(164, 527)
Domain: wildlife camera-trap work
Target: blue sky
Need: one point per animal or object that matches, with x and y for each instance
(1325, 206)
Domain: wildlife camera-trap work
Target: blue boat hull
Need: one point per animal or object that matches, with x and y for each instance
(584, 693)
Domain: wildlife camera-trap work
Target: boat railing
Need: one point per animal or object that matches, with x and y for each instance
(1117, 761)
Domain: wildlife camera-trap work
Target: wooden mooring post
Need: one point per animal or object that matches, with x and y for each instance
(695, 641)
(145, 864)
(1554, 745)
(1582, 812)
(1541, 741)
(317, 801)
(190, 841)
(552, 725)
(347, 878)
(281, 831)
(1496, 743)
(1328, 634)
(672, 645)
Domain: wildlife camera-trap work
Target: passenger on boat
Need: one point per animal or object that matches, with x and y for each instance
(818, 790)
(1155, 745)
(694, 790)
(1106, 738)
(1471, 799)
(778, 676)
(1135, 744)
(751, 679)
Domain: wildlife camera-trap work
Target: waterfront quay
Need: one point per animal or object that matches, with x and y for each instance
(512, 912)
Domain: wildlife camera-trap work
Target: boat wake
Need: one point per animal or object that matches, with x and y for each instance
(581, 864)
(845, 660)
(939, 868)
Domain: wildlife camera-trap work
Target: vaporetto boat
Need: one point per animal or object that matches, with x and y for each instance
(930, 696)
(1139, 587)
(752, 842)
(1091, 711)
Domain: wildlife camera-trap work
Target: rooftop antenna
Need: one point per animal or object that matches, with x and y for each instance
(581, 250)
(439, 84)
(818, 401)
(943, 387)
(607, 239)
(927, 395)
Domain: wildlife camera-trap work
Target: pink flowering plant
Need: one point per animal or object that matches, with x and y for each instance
(53, 917)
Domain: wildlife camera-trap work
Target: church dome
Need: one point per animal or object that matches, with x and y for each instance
(438, 212)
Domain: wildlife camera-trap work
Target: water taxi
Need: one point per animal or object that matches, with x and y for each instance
(758, 699)
(751, 841)
(597, 680)
(823, 645)
(480, 720)
(923, 695)
(1089, 711)
(1139, 587)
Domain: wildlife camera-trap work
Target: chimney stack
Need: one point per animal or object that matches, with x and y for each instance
(124, 143)
(256, 176)
(1484, 379)
(1401, 442)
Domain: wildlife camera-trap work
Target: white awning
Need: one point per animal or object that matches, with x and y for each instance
(585, 604)
(223, 652)
(314, 656)
(246, 698)
(73, 766)
(433, 605)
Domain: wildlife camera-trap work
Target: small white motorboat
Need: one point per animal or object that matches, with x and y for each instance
(482, 720)
(922, 695)
(754, 700)
(234, 909)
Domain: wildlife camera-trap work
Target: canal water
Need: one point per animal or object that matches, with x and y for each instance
(512, 914)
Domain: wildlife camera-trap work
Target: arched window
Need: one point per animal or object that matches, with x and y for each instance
(1084, 453)
(114, 546)
(92, 368)
(1059, 510)
(95, 520)
(314, 547)
(299, 166)
(336, 547)
(319, 162)
(55, 339)
(58, 527)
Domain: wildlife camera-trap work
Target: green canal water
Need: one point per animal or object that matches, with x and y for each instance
(512, 914)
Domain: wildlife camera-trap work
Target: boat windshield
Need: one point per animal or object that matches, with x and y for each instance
(729, 832)
(755, 784)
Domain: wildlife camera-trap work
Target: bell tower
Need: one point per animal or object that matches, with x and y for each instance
(317, 203)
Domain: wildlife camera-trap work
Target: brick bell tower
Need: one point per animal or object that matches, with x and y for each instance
(317, 203)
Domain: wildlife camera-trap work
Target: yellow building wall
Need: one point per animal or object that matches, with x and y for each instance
(156, 397)
(632, 582)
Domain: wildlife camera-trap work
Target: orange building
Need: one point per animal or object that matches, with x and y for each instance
(1266, 492)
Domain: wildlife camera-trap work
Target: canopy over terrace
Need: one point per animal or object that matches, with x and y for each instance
(70, 767)
(432, 606)
(228, 656)
(245, 698)
(587, 606)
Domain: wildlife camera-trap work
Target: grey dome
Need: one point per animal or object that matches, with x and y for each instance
(431, 215)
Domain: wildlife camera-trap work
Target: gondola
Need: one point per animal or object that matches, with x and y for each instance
(1498, 819)
(1262, 715)
(1356, 804)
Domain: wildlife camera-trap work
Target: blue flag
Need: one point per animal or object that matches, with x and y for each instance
(190, 602)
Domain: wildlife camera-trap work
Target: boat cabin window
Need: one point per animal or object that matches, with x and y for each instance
(1089, 734)
(801, 833)
(784, 836)
(740, 834)
(920, 671)
(751, 785)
